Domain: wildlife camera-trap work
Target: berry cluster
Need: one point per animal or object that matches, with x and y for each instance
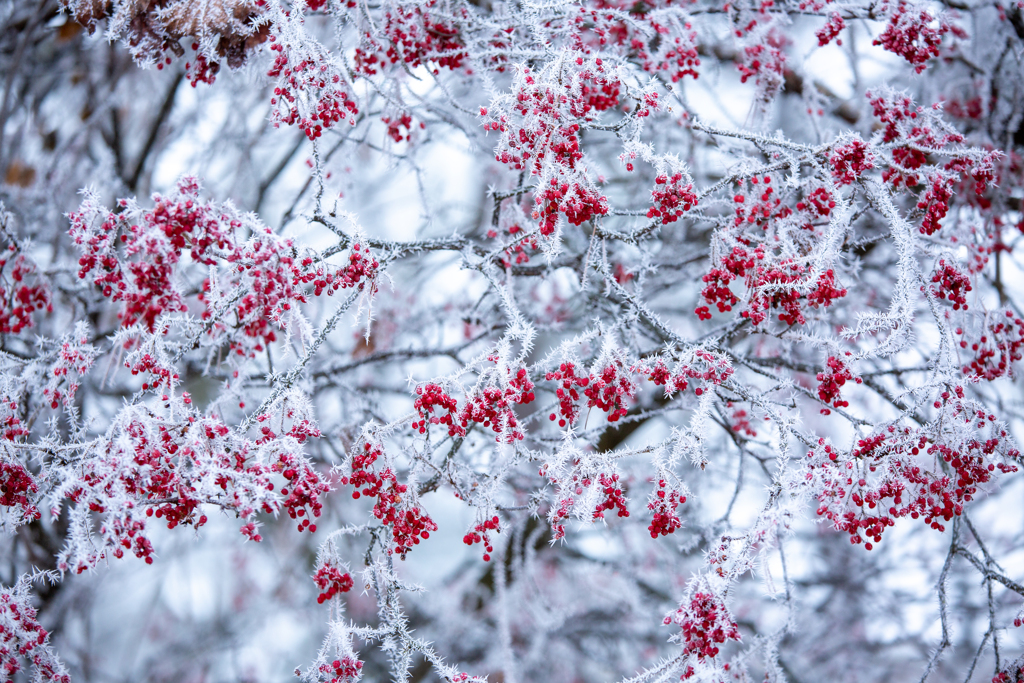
(432, 396)
(21, 636)
(671, 198)
(414, 36)
(481, 534)
(664, 503)
(951, 285)
(23, 296)
(850, 160)
(706, 624)
(765, 60)
(345, 670)
(395, 505)
(831, 381)
(17, 489)
(760, 206)
(74, 360)
(305, 487)
(716, 291)
(1000, 345)
(610, 389)
(492, 405)
(705, 366)
(613, 498)
(577, 202)
(856, 507)
(309, 92)
(740, 422)
(568, 396)
(935, 202)
(540, 132)
(818, 201)
(832, 28)
(675, 54)
(914, 34)
(395, 126)
(331, 581)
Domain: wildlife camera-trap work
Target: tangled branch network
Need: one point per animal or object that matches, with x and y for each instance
(511, 340)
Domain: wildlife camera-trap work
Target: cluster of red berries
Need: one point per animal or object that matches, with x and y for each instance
(331, 581)
(855, 507)
(675, 55)
(309, 79)
(492, 406)
(664, 504)
(765, 60)
(952, 285)
(831, 381)
(851, 160)
(430, 397)
(16, 485)
(21, 636)
(613, 498)
(762, 204)
(717, 280)
(914, 34)
(302, 499)
(24, 296)
(610, 389)
(481, 534)
(344, 670)
(415, 38)
(408, 522)
(706, 624)
(671, 198)
(568, 396)
(832, 28)
(1000, 345)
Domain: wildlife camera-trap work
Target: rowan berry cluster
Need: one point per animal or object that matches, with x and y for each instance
(705, 623)
(481, 534)
(612, 496)
(415, 35)
(331, 581)
(832, 28)
(610, 389)
(309, 92)
(22, 637)
(741, 422)
(431, 397)
(951, 284)
(23, 296)
(766, 62)
(999, 346)
(492, 406)
(671, 198)
(675, 53)
(74, 360)
(914, 34)
(16, 487)
(733, 265)
(759, 206)
(856, 507)
(395, 505)
(568, 396)
(305, 487)
(831, 382)
(850, 160)
(348, 669)
(664, 503)
(704, 366)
